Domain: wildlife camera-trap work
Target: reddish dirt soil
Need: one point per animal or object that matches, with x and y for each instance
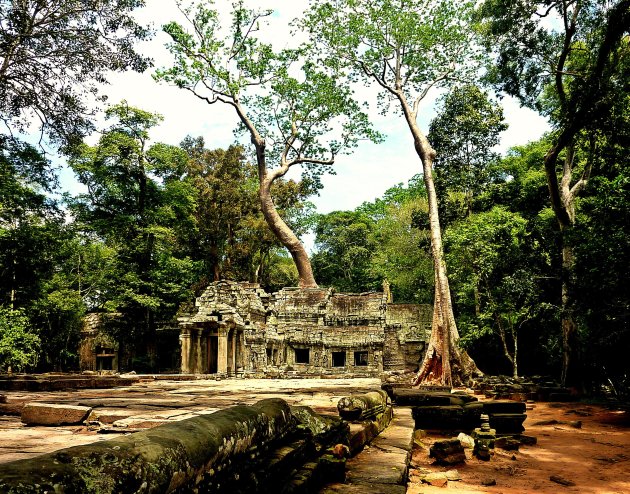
(595, 457)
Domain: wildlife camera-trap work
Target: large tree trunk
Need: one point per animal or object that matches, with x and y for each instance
(444, 362)
(277, 225)
(282, 231)
(568, 323)
(562, 196)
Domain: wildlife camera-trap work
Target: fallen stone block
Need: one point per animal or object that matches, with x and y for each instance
(449, 417)
(507, 443)
(467, 441)
(51, 414)
(496, 406)
(527, 440)
(415, 397)
(362, 406)
(436, 479)
(508, 423)
(448, 452)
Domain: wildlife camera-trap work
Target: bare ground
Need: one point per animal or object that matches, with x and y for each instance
(595, 457)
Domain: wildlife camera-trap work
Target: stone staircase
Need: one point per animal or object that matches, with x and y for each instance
(382, 466)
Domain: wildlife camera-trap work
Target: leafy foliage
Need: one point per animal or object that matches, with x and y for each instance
(19, 347)
(464, 135)
(56, 54)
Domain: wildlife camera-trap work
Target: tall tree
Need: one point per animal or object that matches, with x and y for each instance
(230, 236)
(406, 48)
(575, 70)
(344, 248)
(464, 135)
(294, 113)
(55, 53)
(493, 276)
(136, 204)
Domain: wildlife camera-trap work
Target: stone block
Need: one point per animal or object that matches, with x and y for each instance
(495, 406)
(50, 414)
(448, 452)
(439, 417)
(508, 423)
(415, 397)
(507, 443)
(377, 466)
(466, 440)
(372, 488)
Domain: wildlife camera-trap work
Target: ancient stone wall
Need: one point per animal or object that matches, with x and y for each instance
(239, 329)
(97, 350)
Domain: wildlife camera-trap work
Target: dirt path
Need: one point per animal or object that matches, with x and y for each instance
(595, 457)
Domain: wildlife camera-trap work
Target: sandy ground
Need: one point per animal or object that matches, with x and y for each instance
(595, 457)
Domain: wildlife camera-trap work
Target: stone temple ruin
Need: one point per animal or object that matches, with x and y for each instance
(238, 329)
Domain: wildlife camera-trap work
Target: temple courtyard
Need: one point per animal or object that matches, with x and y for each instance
(580, 447)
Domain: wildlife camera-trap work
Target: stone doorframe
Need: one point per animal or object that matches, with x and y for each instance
(198, 350)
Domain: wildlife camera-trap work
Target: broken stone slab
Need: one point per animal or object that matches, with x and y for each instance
(105, 416)
(362, 406)
(448, 452)
(137, 423)
(399, 434)
(436, 479)
(386, 461)
(189, 454)
(52, 414)
(416, 397)
(507, 443)
(372, 488)
(377, 466)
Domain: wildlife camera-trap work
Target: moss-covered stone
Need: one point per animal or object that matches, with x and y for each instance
(168, 458)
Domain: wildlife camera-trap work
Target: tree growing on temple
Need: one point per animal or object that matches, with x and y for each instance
(293, 112)
(575, 70)
(406, 48)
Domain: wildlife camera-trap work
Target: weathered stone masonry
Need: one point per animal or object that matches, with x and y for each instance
(239, 329)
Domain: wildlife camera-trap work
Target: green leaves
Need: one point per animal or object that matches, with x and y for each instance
(56, 55)
(407, 46)
(305, 114)
(19, 347)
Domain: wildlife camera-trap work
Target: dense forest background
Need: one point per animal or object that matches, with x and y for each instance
(157, 222)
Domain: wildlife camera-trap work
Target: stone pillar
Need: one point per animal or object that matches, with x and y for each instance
(234, 343)
(184, 338)
(198, 368)
(222, 353)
